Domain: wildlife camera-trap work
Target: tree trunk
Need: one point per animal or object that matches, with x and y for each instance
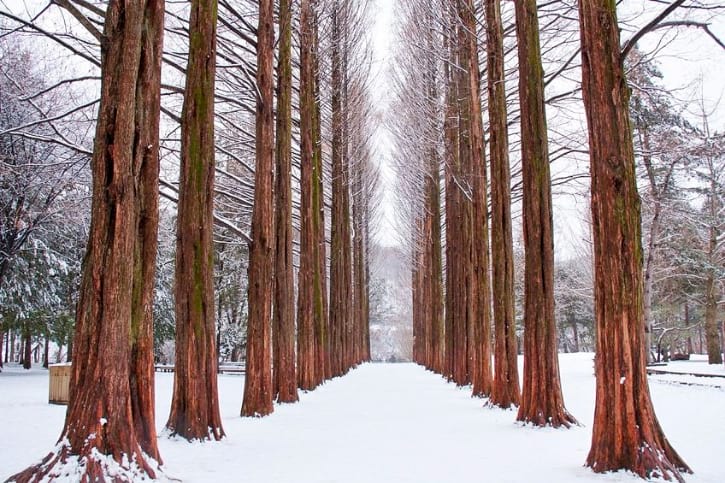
(69, 352)
(283, 333)
(340, 288)
(450, 132)
(46, 350)
(2, 342)
(11, 340)
(258, 382)
(108, 362)
(28, 346)
(542, 402)
(195, 407)
(714, 356)
(323, 354)
(306, 352)
(712, 289)
(626, 433)
(480, 315)
(575, 332)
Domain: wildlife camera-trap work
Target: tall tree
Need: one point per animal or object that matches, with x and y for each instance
(195, 405)
(505, 390)
(709, 171)
(110, 412)
(454, 295)
(258, 382)
(340, 262)
(542, 402)
(306, 302)
(626, 433)
(283, 333)
(323, 356)
(479, 314)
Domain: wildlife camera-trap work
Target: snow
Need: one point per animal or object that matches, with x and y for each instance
(384, 423)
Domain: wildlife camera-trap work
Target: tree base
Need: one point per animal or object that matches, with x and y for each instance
(491, 404)
(561, 419)
(648, 463)
(93, 466)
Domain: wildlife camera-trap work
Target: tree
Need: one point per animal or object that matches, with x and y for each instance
(479, 314)
(542, 402)
(283, 333)
(505, 388)
(306, 296)
(708, 170)
(195, 406)
(258, 381)
(340, 251)
(626, 433)
(111, 408)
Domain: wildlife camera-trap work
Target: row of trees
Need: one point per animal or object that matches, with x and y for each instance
(446, 211)
(327, 149)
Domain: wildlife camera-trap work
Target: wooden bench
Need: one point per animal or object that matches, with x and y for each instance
(226, 368)
(164, 367)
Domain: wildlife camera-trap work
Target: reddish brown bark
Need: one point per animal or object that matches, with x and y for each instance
(542, 402)
(626, 433)
(340, 262)
(505, 389)
(453, 264)
(323, 360)
(306, 352)
(258, 381)
(283, 333)
(108, 412)
(194, 411)
(479, 316)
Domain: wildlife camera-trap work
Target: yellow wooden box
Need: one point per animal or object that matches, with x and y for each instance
(59, 383)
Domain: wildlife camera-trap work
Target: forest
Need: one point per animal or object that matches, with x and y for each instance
(189, 184)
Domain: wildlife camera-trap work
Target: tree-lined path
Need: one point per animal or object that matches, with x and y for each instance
(253, 127)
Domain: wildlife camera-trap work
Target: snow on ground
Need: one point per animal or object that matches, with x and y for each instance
(383, 423)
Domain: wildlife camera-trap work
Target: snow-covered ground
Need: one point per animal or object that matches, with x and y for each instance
(384, 423)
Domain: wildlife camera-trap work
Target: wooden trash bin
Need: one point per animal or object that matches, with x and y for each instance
(59, 383)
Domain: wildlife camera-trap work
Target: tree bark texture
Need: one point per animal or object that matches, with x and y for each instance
(451, 140)
(712, 288)
(464, 310)
(505, 390)
(542, 402)
(283, 333)
(340, 262)
(111, 396)
(626, 433)
(323, 357)
(306, 351)
(194, 411)
(480, 315)
(258, 381)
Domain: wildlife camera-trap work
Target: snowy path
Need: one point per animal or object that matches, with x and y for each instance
(384, 423)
